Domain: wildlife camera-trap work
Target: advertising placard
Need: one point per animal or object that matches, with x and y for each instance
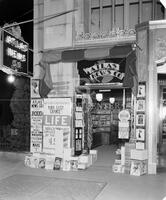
(36, 141)
(35, 88)
(36, 125)
(56, 125)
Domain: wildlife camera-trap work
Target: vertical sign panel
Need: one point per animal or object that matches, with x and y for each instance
(36, 125)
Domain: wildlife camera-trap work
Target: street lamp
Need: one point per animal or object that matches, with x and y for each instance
(10, 78)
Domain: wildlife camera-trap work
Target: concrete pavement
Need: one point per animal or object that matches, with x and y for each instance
(105, 184)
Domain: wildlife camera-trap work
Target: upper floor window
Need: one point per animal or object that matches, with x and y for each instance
(105, 14)
(108, 14)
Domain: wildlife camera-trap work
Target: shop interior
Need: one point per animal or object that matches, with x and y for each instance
(105, 112)
(107, 102)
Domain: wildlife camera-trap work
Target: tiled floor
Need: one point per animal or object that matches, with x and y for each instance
(118, 187)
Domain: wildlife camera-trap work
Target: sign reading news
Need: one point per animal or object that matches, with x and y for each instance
(15, 53)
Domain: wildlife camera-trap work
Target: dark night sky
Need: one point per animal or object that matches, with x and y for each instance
(18, 11)
(14, 11)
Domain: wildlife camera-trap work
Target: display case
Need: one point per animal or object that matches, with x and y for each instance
(79, 125)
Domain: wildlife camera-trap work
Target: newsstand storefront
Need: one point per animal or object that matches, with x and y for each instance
(85, 98)
(70, 120)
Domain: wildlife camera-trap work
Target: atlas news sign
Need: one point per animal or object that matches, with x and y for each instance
(15, 53)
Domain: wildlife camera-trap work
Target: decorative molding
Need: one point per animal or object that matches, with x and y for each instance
(113, 35)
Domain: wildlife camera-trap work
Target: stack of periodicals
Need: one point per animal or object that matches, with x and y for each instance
(128, 148)
(68, 162)
(139, 162)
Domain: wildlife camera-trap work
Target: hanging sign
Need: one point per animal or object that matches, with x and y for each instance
(124, 115)
(101, 71)
(15, 53)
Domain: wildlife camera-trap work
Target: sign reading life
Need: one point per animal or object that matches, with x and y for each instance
(57, 116)
(15, 53)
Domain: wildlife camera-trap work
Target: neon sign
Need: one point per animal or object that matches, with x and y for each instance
(15, 53)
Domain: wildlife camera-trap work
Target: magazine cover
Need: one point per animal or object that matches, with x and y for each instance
(49, 162)
(74, 163)
(27, 160)
(66, 165)
(42, 163)
(138, 167)
(57, 163)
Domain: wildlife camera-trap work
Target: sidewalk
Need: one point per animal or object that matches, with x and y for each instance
(98, 182)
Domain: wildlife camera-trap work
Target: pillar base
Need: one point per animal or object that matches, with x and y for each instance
(152, 168)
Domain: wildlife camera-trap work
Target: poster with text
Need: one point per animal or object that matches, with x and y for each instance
(56, 125)
(36, 125)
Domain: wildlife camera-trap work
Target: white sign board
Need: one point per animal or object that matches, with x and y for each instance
(57, 122)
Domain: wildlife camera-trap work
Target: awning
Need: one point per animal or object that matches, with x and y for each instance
(96, 53)
(116, 51)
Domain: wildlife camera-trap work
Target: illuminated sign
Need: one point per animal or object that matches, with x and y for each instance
(15, 53)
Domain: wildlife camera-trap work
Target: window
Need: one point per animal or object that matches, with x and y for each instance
(133, 14)
(147, 11)
(108, 14)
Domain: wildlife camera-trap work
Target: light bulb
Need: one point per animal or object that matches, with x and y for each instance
(10, 78)
(99, 96)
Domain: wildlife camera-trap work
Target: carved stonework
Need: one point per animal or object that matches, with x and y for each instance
(115, 34)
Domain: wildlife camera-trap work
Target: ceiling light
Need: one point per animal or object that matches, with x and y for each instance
(104, 90)
(99, 96)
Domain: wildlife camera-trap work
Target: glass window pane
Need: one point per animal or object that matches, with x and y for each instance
(95, 15)
(146, 11)
(119, 16)
(107, 2)
(107, 18)
(133, 15)
(95, 3)
(160, 12)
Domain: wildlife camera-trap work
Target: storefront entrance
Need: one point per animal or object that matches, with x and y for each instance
(104, 115)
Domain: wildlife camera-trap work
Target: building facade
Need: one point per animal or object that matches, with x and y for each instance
(75, 41)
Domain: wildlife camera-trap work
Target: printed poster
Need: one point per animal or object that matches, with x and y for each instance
(35, 88)
(36, 125)
(56, 125)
